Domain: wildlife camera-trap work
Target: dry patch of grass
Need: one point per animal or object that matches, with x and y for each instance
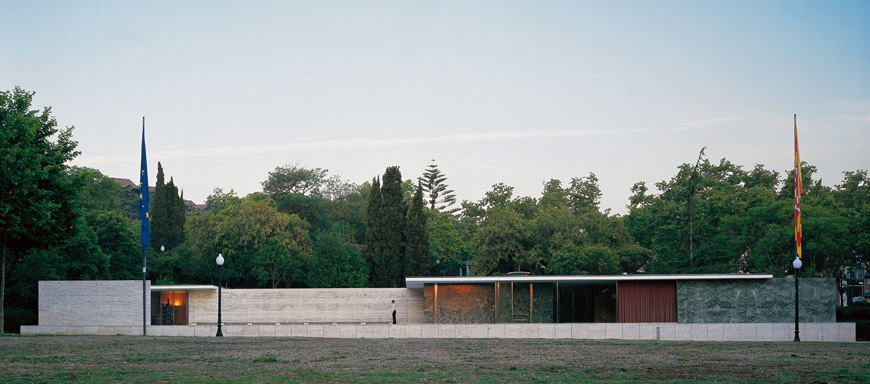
(25, 359)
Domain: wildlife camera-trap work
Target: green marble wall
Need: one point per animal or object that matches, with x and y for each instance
(514, 301)
(755, 301)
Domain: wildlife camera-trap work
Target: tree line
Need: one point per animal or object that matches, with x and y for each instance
(307, 228)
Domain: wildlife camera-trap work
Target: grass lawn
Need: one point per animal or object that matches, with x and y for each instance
(66, 359)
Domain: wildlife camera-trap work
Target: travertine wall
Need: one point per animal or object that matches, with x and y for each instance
(755, 301)
(828, 332)
(93, 303)
(339, 305)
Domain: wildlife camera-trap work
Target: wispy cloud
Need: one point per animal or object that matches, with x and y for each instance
(853, 118)
(358, 144)
(704, 124)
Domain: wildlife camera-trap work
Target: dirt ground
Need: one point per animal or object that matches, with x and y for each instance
(51, 358)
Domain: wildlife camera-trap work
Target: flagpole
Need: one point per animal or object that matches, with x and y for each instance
(798, 232)
(146, 228)
(144, 310)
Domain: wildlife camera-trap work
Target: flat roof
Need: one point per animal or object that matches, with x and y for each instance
(419, 282)
(182, 287)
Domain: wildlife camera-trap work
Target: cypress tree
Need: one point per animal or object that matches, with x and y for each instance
(158, 211)
(167, 213)
(175, 214)
(374, 236)
(417, 250)
(393, 218)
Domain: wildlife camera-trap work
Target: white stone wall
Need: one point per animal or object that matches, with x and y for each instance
(339, 305)
(93, 303)
(824, 332)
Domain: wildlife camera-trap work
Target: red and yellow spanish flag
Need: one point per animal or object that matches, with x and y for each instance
(798, 190)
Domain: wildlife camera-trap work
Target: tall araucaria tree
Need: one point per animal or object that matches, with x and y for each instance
(36, 194)
(437, 195)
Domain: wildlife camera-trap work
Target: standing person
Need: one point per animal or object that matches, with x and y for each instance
(393, 308)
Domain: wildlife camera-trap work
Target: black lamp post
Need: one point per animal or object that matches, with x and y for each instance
(220, 263)
(797, 274)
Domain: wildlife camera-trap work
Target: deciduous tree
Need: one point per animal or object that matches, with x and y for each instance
(36, 195)
(337, 262)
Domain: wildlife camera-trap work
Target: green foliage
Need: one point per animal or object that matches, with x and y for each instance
(434, 187)
(632, 257)
(417, 259)
(37, 203)
(219, 199)
(82, 257)
(563, 232)
(445, 241)
(566, 261)
(320, 200)
(97, 193)
(854, 195)
(393, 222)
(600, 260)
(337, 262)
(501, 242)
(168, 214)
(117, 239)
(738, 222)
(262, 247)
(593, 260)
(294, 179)
(374, 253)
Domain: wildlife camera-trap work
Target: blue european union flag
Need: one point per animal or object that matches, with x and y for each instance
(143, 194)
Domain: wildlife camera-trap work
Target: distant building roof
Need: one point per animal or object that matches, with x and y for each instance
(125, 182)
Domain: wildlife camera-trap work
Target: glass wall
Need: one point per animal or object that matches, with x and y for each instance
(169, 308)
(525, 302)
(586, 303)
(519, 302)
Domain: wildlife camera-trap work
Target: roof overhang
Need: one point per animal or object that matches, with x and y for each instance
(419, 282)
(164, 288)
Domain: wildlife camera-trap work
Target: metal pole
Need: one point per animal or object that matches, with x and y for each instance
(144, 314)
(220, 277)
(797, 275)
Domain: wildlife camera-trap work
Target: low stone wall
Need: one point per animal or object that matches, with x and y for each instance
(310, 305)
(826, 332)
(89, 303)
(755, 301)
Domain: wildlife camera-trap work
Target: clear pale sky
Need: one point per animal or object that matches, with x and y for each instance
(496, 92)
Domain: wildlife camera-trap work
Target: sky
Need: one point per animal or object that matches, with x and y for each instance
(494, 92)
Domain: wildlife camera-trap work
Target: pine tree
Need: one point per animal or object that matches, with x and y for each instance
(438, 196)
(417, 250)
